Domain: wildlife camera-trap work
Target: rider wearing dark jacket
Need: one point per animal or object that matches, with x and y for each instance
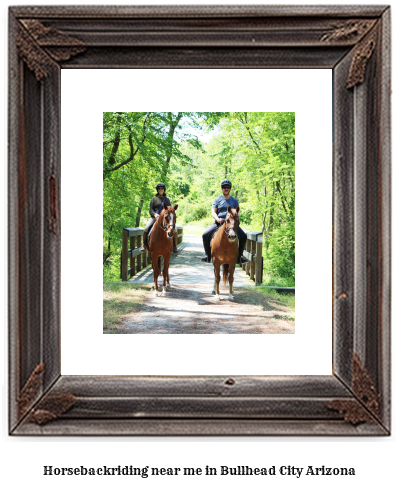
(219, 212)
(155, 208)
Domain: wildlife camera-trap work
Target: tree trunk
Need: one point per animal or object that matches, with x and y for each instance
(267, 231)
(172, 128)
(106, 256)
(265, 213)
(132, 151)
(115, 146)
(138, 216)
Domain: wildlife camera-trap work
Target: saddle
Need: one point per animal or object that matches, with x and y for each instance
(149, 232)
(213, 235)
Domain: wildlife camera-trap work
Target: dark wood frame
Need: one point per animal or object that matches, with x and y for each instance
(353, 41)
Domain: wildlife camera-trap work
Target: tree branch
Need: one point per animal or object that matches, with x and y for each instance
(133, 153)
(245, 124)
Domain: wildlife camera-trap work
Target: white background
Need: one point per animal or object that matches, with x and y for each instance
(375, 459)
(308, 93)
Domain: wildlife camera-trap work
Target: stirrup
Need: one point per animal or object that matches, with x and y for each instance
(142, 248)
(242, 260)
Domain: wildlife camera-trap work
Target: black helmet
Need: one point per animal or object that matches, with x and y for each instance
(226, 182)
(160, 185)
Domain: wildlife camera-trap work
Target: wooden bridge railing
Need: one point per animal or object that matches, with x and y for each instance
(132, 259)
(253, 252)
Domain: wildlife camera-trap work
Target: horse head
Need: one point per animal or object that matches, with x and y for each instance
(168, 219)
(231, 222)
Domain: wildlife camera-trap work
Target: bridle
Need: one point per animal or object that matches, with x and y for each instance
(163, 226)
(227, 230)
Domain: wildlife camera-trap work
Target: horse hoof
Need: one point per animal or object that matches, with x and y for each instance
(164, 290)
(213, 292)
(217, 298)
(231, 298)
(155, 293)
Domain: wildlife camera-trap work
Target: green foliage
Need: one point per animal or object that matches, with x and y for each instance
(256, 151)
(280, 256)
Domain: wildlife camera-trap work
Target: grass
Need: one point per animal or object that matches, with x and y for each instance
(120, 299)
(198, 227)
(270, 280)
(258, 295)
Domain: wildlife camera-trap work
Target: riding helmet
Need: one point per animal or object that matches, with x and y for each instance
(161, 185)
(226, 182)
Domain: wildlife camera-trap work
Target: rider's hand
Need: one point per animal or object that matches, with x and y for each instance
(219, 220)
(156, 215)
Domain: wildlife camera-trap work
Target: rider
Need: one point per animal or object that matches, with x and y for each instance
(155, 208)
(219, 212)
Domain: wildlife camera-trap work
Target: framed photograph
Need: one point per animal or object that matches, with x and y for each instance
(353, 45)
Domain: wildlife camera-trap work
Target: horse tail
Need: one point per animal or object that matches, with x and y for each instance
(225, 273)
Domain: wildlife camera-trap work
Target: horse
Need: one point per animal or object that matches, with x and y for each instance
(224, 251)
(161, 244)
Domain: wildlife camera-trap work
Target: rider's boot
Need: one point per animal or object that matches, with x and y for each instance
(144, 246)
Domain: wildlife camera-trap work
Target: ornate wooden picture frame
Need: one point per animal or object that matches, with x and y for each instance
(352, 41)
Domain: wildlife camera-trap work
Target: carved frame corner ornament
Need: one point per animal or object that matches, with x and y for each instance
(362, 54)
(362, 32)
(30, 391)
(351, 41)
(38, 45)
(350, 31)
(366, 406)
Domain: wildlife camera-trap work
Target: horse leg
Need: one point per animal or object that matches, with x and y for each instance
(156, 273)
(214, 274)
(217, 278)
(231, 280)
(165, 273)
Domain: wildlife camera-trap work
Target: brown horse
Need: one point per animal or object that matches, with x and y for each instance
(161, 244)
(224, 251)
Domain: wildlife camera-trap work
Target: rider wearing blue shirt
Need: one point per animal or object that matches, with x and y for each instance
(221, 204)
(219, 212)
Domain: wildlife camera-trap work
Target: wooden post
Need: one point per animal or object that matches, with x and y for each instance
(179, 234)
(124, 255)
(258, 268)
(252, 263)
(132, 259)
(140, 256)
(243, 266)
(248, 246)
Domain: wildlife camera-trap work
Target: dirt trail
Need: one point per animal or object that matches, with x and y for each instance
(188, 307)
(186, 310)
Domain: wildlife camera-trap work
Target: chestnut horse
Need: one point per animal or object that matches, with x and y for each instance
(161, 244)
(224, 251)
